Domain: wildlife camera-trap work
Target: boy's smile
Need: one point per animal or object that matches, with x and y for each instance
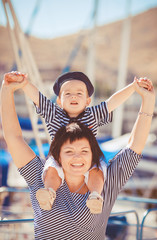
(73, 97)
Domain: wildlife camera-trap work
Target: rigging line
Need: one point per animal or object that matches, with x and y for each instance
(80, 38)
(34, 13)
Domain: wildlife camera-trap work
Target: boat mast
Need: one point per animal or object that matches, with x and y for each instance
(122, 71)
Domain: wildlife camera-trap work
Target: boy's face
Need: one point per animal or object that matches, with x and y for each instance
(73, 97)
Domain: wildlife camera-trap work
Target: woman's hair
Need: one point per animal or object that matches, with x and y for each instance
(73, 132)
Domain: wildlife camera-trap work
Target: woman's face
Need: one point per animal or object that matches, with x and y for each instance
(76, 157)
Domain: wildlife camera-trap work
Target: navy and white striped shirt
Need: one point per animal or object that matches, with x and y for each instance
(70, 219)
(55, 117)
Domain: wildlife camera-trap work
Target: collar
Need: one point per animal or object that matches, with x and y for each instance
(75, 119)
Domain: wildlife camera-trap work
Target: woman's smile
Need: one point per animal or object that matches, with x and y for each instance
(77, 164)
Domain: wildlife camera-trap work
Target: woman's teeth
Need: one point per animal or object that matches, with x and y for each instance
(77, 164)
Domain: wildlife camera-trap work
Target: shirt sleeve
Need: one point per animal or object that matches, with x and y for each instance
(46, 108)
(32, 172)
(119, 170)
(101, 114)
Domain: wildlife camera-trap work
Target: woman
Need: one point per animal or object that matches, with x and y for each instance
(73, 148)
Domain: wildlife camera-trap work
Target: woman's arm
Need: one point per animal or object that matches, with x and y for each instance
(18, 148)
(142, 125)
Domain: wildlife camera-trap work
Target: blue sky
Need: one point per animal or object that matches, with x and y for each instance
(61, 17)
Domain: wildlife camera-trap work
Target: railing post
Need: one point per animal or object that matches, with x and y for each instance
(143, 220)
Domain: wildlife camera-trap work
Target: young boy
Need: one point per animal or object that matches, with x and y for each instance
(73, 90)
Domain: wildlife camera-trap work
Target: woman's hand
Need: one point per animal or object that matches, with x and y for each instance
(17, 80)
(14, 80)
(144, 87)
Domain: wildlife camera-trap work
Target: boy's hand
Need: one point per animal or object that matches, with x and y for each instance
(144, 82)
(14, 76)
(144, 87)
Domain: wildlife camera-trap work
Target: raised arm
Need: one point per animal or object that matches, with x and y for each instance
(18, 148)
(29, 89)
(122, 95)
(142, 125)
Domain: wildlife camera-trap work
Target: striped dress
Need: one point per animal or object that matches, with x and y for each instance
(70, 219)
(55, 117)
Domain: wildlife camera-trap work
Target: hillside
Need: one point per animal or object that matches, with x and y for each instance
(51, 55)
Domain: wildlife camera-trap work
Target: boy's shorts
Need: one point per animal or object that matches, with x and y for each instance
(50, 162)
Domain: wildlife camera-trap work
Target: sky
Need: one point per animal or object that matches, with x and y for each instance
(54, 18)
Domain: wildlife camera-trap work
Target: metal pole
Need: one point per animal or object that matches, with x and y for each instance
(122, 72)
(91, 51)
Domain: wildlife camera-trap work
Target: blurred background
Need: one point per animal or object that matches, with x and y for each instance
(112, 41)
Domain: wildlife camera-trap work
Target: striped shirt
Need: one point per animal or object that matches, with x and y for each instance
(55, 117)
(70, 219)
